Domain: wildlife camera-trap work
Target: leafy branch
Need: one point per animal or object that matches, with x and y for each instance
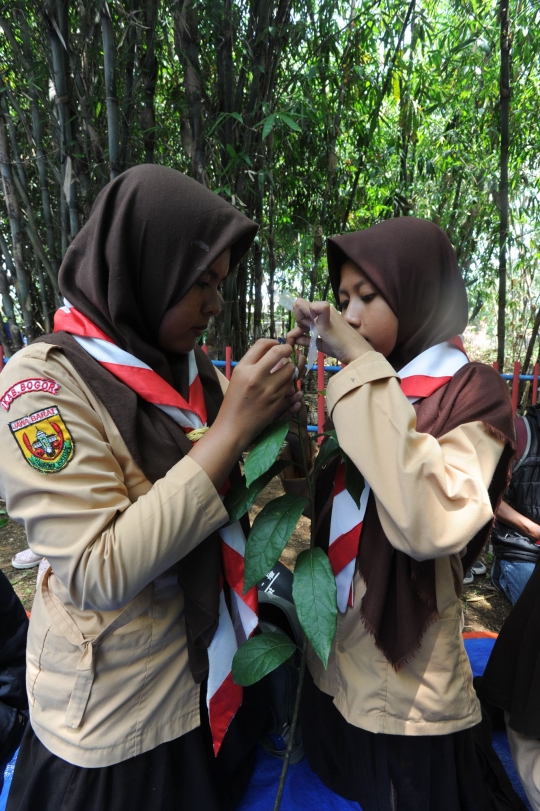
(314, 586)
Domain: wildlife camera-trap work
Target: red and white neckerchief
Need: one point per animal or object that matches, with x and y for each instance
(223, 696)
(420, 378)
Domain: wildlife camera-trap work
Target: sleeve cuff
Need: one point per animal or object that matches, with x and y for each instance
(365, 369)
(205, 493)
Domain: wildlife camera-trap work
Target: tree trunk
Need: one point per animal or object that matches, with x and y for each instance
(503, 183)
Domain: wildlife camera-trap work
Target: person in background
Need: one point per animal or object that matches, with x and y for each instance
(510, 682)
(13, 699)
(26, 559)
(516, 533)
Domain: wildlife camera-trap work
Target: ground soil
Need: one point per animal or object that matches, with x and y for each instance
(485, 609)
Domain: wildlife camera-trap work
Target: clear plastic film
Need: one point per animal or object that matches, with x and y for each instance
(286, 300)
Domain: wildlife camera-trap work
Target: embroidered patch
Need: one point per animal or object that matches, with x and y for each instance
(46, 384)
(44, 440)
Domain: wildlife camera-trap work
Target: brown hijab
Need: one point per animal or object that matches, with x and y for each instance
(151, 234)
(414, 266)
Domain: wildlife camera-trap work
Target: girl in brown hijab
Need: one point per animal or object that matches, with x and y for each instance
(391, 722)
(116, 438)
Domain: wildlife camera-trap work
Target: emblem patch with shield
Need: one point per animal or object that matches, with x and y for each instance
(44, 440)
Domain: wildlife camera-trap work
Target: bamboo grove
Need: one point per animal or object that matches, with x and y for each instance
(311, 117)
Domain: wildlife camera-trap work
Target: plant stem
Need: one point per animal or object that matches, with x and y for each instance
(302, 671)
(292, 728)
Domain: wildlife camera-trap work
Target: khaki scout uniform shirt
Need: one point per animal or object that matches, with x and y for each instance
(107, 666)
(431, 497)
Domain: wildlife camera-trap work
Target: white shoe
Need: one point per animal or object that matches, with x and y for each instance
(478, 568)
(43, 566)
(26, 559)
(468, 578)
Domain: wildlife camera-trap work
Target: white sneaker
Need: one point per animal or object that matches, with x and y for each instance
(478, 568)
(26, 559)
(43, 566)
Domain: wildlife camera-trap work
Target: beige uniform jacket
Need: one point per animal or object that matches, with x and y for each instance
(108, 675)
(431, 497)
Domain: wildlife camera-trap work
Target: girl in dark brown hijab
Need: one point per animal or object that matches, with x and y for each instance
(137, 437)
(391, 723)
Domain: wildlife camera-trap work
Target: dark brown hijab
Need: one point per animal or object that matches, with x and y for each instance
(414, 266)
(151, 234)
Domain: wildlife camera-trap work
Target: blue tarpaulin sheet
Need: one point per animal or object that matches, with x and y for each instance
(303, 789)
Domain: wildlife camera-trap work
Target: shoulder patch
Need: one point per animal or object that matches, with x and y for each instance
(44, 440)
(45, 384)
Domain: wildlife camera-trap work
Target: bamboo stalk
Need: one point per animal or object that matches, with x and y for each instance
(503, 180)
(186, 39)
(127, 101)
(109, 66)
(365, 140)
(62, 100)
(14, 216)
(32, 231)
(37, 136)
(4, 343)
(43, 296)
(7, 301)
(149, 73)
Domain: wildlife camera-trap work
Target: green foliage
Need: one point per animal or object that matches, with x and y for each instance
(259, 656)
(4, 518)
(281, 110)
(271, 530)
(240, 498)
(263, 455)
(314, 592)
(328, 451)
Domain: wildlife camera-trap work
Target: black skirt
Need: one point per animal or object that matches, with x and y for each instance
(181, 775)
(457, 772)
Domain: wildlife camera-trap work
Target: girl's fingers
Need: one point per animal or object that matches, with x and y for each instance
(294, 334)
(301, 363)
(260, 348)
(272, 356)
(301, 309)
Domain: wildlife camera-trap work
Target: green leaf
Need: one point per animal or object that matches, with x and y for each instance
(354, 481)
(268, 125)
(263, 455)
(3, 522)
(259, 656)
(231, 150)
(287, 119)
(328, 451)
(314, 593)
(240, 498)
(269, 534)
